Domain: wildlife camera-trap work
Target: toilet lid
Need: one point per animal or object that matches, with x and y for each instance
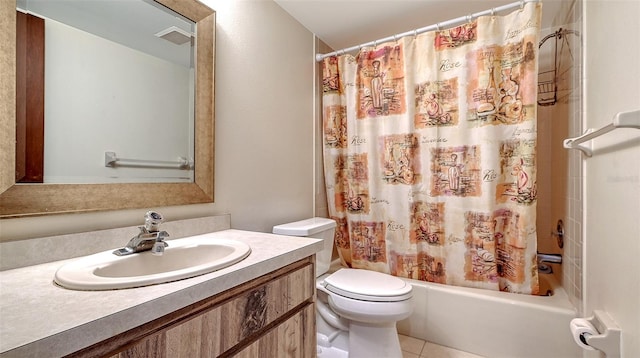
(368, 285)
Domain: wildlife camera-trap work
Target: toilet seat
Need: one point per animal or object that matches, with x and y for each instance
(365, 285)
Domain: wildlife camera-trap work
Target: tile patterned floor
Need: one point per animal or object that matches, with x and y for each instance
(417, 348)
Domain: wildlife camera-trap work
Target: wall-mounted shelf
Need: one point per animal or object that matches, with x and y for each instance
(620, 120)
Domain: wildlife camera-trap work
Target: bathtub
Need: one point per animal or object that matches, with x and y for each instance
(493, 324)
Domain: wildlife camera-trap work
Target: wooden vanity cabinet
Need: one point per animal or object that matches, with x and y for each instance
(270, 316)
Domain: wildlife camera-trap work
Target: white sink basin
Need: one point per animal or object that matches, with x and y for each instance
(183, 258)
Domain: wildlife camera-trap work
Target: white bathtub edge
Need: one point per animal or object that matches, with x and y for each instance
(492, 324)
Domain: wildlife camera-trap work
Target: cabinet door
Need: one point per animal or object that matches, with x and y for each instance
(294, 338)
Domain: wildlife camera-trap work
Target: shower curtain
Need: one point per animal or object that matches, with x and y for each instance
(430, 153)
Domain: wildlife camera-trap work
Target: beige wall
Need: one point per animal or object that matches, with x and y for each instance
(264, 114)
(321, 205)
(264, 129)
(553, 123)
(559, 170)
(612, 182)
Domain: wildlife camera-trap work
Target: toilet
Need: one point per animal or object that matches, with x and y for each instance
(356, 310)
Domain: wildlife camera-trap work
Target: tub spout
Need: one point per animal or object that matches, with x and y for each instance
(550, 258)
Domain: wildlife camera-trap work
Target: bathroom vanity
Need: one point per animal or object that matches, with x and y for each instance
(271, 316)
(261, 306)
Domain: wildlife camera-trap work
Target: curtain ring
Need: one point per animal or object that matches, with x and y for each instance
(438, 27)
(493, 13)
(415, 32)
(394, 39)
(469, 18)
(521, 5)
(375, 43)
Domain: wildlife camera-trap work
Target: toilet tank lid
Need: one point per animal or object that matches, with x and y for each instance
(305, 227)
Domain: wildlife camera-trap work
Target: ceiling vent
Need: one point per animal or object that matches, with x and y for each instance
(176, 35)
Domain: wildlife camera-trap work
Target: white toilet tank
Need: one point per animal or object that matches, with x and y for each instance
(317, 228)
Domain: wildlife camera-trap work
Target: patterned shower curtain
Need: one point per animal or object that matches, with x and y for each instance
(430, 154)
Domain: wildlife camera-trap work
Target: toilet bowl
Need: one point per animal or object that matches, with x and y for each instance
(370, 303)
(356, 310)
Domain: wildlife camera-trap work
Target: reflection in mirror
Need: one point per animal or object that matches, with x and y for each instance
(118, 78)
(18, 200)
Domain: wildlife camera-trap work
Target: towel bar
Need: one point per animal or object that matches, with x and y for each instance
(621, 120)
(112, 160)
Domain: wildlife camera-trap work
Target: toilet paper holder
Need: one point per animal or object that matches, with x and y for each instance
(599, 332)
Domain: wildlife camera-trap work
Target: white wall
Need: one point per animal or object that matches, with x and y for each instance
(264, 129)
(612, 184)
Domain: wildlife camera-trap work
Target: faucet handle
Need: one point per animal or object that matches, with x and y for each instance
(162, 235)
(152, 221)
(159, 245)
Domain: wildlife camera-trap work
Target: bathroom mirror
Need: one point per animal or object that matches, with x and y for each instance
(108, 77)
(38, 199)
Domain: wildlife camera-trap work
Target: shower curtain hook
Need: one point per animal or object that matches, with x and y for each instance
(469, 18)
(394, 39)
(493, 13)
(375, 43)
(415, 33)
(438, 27)
(521, 5)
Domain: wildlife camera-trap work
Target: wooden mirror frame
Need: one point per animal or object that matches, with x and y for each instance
(43, 199)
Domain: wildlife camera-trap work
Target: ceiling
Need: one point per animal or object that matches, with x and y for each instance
(339, 23)
(132, 23)
(345, 23)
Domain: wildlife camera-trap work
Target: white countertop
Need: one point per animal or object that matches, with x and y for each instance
(40, 319)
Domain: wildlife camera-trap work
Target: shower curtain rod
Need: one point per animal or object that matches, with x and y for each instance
(438, 26)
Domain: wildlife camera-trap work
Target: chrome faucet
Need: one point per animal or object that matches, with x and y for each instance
(548, 258)
(149, 237)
